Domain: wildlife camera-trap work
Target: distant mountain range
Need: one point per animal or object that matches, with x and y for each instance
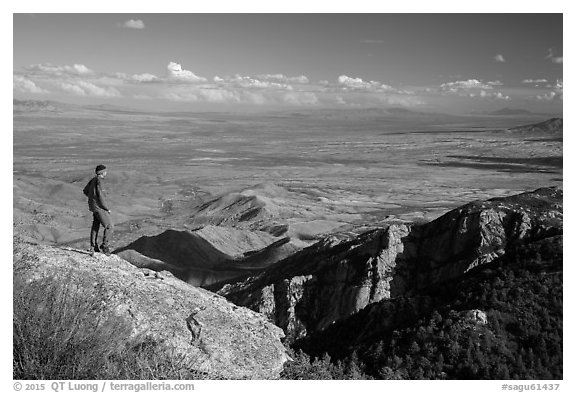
(550, 125)
(27, 106)
(23, 106)
(514, 112)
(110, 108)
(509, 112)
(387, 111)
(20, 106)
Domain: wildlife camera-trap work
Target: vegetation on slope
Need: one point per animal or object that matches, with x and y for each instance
(522, 298)
(60, 332)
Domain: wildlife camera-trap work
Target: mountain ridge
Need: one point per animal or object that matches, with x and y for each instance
(337, 278)
(551, 125)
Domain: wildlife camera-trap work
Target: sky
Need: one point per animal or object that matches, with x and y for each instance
(451, 63)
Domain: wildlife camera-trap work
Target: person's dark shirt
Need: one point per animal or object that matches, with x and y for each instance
(96, 194)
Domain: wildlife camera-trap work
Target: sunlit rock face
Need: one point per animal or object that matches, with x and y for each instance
(340, 276)
(217, 337)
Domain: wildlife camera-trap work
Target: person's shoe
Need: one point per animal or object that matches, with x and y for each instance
(105, 250)
(93, 250)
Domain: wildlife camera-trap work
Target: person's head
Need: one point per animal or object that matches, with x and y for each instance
(101, 170)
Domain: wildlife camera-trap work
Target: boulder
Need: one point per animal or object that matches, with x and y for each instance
(477, 317)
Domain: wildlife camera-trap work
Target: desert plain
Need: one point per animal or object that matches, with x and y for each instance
(316, 172)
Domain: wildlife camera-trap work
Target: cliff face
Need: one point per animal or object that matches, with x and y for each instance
(340, 276)
(334, 278)
(481, 232)
(522, 289)
(220, 338)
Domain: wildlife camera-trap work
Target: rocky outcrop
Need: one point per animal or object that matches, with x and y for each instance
(340, 276)
(325, 282)
(220, 338)
(477, 317)
(480, 232)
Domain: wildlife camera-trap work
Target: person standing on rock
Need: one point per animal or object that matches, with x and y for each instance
(98, 206)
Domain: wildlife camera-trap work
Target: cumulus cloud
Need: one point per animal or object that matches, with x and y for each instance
(358, 83)
(76, 69)
(284, 79)
(27, 86)
(403, 100)
(500, 96)
(134, 24)
(250, 82)
(73, 88)
(458, 86)
(218, 95)
(340, 100)
(175, 71)
(255, 97)
(300, 98)
(474, 88)
(489, 94)
(534, 81)
(144, 77)
(233, 93)
(179, 84)
(557, 92)
(352, 82)
(554, 59)
(547, 96)
(84, 88)
(499, 59)
(204, 95)
(559, 84)
(559, 89)
(76, 79)
(179, 96)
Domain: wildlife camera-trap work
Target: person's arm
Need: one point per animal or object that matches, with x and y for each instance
(86, 190)
(100, 195)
